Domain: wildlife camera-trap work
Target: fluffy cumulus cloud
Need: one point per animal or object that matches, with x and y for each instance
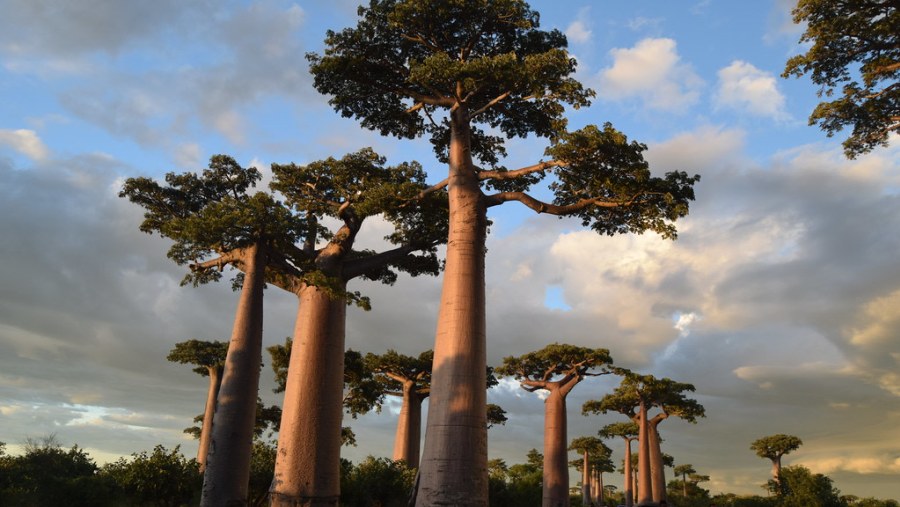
(579, 31)
(747, 89)
(25, 142)
(653, 72)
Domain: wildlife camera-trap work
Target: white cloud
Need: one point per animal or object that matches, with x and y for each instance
(579, 31)
(25, 142)
(653, 72)
(684, 321)
(747, 89)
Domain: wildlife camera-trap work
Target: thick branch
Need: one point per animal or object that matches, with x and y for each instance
(230, 257)
(490, 104)
(553, 209)
(509, 175)
(358, 267)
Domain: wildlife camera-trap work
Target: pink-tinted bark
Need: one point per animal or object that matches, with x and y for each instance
(409, 426)
(307, 465)
(453, 467)
(227, 474)
(556, 463)
(215, 383)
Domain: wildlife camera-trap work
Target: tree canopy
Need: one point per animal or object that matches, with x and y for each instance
(204, 354)
(774, 447)
(555, 363)
(854, 57)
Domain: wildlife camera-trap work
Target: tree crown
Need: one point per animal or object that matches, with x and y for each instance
(854, 49)
(204, 354)
(775, 446)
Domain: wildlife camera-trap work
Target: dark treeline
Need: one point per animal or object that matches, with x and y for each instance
(47, 474)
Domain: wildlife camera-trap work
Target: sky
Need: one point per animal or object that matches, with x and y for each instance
(779, 301)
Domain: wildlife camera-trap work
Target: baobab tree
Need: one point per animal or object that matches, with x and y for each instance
(557, 369)
(635, 396)
(210, 360)
(773, 447)
(348, 191)
(593, 451)
(628, 432)
(430, 67)
(409, 378)
(215, 222)
(684, 471)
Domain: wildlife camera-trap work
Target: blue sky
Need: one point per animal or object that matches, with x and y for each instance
(780, 300)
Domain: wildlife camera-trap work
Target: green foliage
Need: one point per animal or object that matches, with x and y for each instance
(802, 488)
(204, 354)
(774, 447)
(666, 394)
(211, 214)
(556, 361)
(619, 429)
(854, 53)
(407, 60)
(495, 415)
(602, 165)
(48, 475)
(351, 189)
(162, 478)
(262, 469)
(516, 485)
(376, 482)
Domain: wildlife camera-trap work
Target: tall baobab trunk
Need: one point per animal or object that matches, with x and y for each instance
(453, 468)
(657, 467)
(307, 466)
(644, 481)
(629, 476)
(215, 383)
(556, 463)
(409, 426)
(586, 480)
(227, 474)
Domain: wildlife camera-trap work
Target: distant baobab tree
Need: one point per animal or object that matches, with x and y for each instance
(773, 447)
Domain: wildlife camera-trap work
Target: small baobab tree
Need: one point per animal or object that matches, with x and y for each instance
(684, 471)
(593, 452)
(557, 369)
(773, 447)
(209, 357)
(628, 432)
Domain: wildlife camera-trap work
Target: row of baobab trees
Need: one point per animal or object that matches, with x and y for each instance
(468, 75)
(557, 368)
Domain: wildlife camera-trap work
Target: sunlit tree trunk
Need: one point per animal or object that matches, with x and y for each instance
(601, 493)
(227, 474)
(644, 481)
(215, 383)
(657, 468)
(556, 463)
(307, 466)
(453, 468)
(409, 426)
(629, 476)
(586, 480)
(776, 470)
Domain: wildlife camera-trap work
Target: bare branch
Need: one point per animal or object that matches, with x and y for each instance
(553, 209)
(490, 104)
(509, 175)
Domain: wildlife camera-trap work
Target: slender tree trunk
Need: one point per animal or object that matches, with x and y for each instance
(586, 481)
(629, 476)
(600, 492)
(215, 383)
(307, 466)
(227, 474)
(556, 463)
(453, 469)
(657, 468)
(409, 427)
(644, 481)
(684, 485)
